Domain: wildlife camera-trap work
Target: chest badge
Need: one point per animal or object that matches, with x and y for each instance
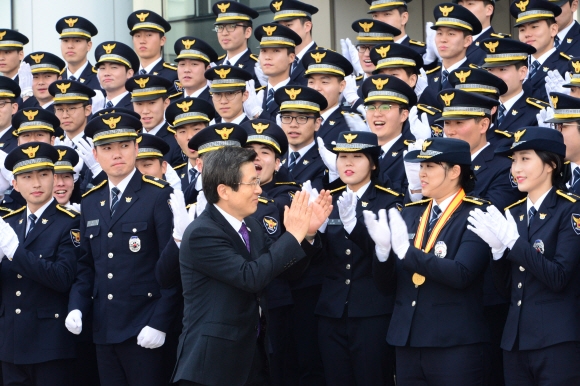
(135, 244)
(436, 79)
(569, 40)
(364, 204)
(240, 65)
(394, 154)
(440, 249)
(128, 199)
(539, 246)
(21, 220)
(44, 221)
(514, 112)
(543, 216)
(477, 167)
(305, 162)
(522, 217)
(102, 203)
(331, 123)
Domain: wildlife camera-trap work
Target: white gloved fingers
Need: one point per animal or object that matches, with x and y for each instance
(74, 322)
(361, 110)
(344, 50)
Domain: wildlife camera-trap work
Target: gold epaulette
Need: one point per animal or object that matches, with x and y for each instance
(72, 213)
(95, 188)
(155, 181)
(418, 202)
(515, 203)
(221, 57)
(14, 212)
(254, 57)
(2, 209)
(428, 109)
(286, 183)
(565, 56)
(433, 70)
(359, 77)
(350, 113)
(264, 200)
(260, 88)
(416, 42)
(503, 132)
(407, 142)
(476, 200)
(537, 103)
(568, 196)
(179, 166)
(63, 70)
(337, 189)
(500, 35)
(171, 66)
(175, 95)
(387, 190)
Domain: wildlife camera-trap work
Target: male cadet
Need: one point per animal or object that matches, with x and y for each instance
(46, 68)
(325, 71)
(574, 83)
(9, 93)
(233, 25)
(455, 26)
(193, 57)
(75, 43)
(150, 155)
(277, 53)
(72, 105)
(536, 23)
(297, 16)
(125, 224)
(568, 38)
(39, 242)
(228, 93)
(150, 97)
(116, 63)
(11, 53)
(148, 31)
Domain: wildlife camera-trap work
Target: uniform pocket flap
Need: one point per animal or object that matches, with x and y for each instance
(134, 227)
(145, 289)
(219, 330)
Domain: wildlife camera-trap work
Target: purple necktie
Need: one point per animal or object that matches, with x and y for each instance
(245, 235)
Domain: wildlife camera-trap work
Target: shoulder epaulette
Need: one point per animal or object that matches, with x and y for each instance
(175, 95)
(95, 188)
(416, 42)
(264, 200)
(568, 196)
(3, 209)
(359, 77)
(337, 189)
(260, 88)
(171, 66)
(428, 109)
(418, 202)
(407, 142)
(171, 130)
(179, 166)
(350, 113)
(286, 183)
(221, 57)
(503, 133)
(500, 35)
(515, 203)
(537, 103)
(387, 190)
(565, 56)
(155, 181)
(14, 212)
(94, 70)
(476, 200)
(433, 70)
(72, 213)
(254, 57)
(473, 66)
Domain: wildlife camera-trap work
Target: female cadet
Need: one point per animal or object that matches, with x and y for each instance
(436, 271)
(535, 263)
(353, 314)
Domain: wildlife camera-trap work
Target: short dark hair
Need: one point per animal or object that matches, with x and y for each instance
(489, 2)
(561, 173)
(479, 119)
(223, 166)
(303, 21)
(521, 63)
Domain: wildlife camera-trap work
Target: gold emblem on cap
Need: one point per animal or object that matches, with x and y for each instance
(142, 82)
(463, 75)
(519, 135)
(112, 122)
(224, 132)
(37, 58)
(350, 137)
(223, 7)
(223, 72)
(426, 145)
(383, 51)
(63, 87)
(31, 151)
(447, 98)
(366, 26)
(260, 127)
(30, 114)
(142, 16)
(277, 5)
(446, 10)
(188, 43)
(380, 83)
(491, 46)
(2, 35)
(554, 100)
(61, 153)
(293, 93)
(318, 56)
(576, 66)
(185, 105)
(269, 29)
(522, 5)
(109, 48)
(71, 22)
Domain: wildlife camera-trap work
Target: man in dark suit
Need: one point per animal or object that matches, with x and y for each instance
(227, 257)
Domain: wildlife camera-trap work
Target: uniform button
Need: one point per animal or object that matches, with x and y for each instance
(56, 316)
(110, 255)
(19, 276)
(110, 297)
(40, 257)
(519, 285)
(519, 303)
(91, 236)
(150, 294)
(347, 281)
(348, 266)
(413, 304)
(347, 252)
(18, 293)
(110, 234)
(522, 269)
(110, 276)
(134, 230)
(18, 311)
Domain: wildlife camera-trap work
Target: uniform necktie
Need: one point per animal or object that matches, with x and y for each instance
(531, 213)
(192, 175)
(245, 235)
(293, 158)
(575, 177)
(72, 77)
(226, 62)
(294, 65)
(114, 200)
(142, 71)
(557, 41)
(435, 213)
(501, 114)
(535, 66)
(269, 98)
(382, 154)
(32, 220)
(109, 105)
(444, 82)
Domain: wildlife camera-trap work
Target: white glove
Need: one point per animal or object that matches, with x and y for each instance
(74, 322)
(150, 338)
(350, 90)
(543, 116)
(200, 205)
(354, 60)
(347, 210)
(58, 142)
(8, 240)
(431, 54)
(399, 234)
(344, 50)
(77, 169)
(85, 151)
(379, 232)
(482, 225)
(98, 101)
(172, 177)
(505, 228)
(25, 78)
(312, 192)
(329, 159)
(252, 105)
(180, 216)
(554, 82)
(421, 83)
(419, 126)
(412, 170)
(74, 206)
(356, 123)
(260, 74)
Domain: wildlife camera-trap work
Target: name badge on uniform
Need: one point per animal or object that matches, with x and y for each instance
(135, 244)
(334, 221)
(92, 223)
(440, 249)
(539, 246)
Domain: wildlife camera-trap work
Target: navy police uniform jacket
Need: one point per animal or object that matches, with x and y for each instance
(309, 167)
(88, 77)
(429, 96)
(175, 155)
(418, 46)
(332, 126)
(571, 43)
(523, 113)
(474, 54)
(536, 86)
(391, 167)
(246, 62)
(8, 141)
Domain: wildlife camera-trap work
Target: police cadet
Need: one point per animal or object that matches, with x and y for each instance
(535, 262)
(536, 23)
(574, 83)
(228, 93)
(297, 16)
(434, 266)
(39, 243)
(116, 63)
(455, 27)
(193, 57)
(150, 97)
(126, 219)
(9, 93)
(568, 38)
(75, 43)
(354, 315)
(325, 71)
(233, 26)
(277, 53)
(150, 155)
(397, 60)
(46, 68)
(65, 191)
(11, 55)
(73, 107)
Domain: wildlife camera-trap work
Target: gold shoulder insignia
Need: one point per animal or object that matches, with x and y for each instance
(286, 183)
(337, 189)
(95, 188)
(565, 56)
(175, 95)
(254, 57)
(515, 204)
(264, 200)
(171, 66)
(221, 57)
(260, 88)
(72, 213)
(14, 212)
(428, 109)
(7, 210)
(388, 190)
(473, 66)
(359, 77)
(416, 42)
(433, 70)
(476, 200)
(407, 142)
(503, 133)
(418, 202)
(179, 166)
(155, 181)
(537, 103)
(568, 196)
(500, 35)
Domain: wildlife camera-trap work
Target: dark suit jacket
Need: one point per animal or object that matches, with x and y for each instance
(309, 167)
(332, 126)
(8, 141)
(222, 287)
(521, 114)
(571, 44)
(536, 86)
(88, 77)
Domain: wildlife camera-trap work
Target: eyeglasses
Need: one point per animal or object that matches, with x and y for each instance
(4, 103)
(254, 183)
(560, 126)
(68, 110)
(229, 27)
(301, 119)
(230, 95)
(363, 49)
(382, 107)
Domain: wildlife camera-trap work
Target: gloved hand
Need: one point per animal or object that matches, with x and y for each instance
(74, 322)
(544, 115)
(421, 83)
(25, 78)
(354, 59)
(482, 224)
(399, 234)
(98, 101)
(347, 210)
(252, 105)
(419, 126)
(350, 90)
(172, 177)
(77, 169)
(380, 233)
(344, 50)
(329, 159)
(312, 192)
(150, 338)
(431, 55)
(8, 240)
(554, 82)
(74, 206)
(85, 151)
(260, 74)
(200, 206)
(356, 123)
(505, 228)
(412, 171)
(180, 216)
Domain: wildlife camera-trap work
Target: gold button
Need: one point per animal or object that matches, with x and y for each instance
(110, 234)
(150, 294)
(19, 276)
(413, 304)
(110, 255)
(56, 316)
(348, 266)
(134, 230)
(110, 276)
(519, 285)
(18, 293)
(522, 269)
(110, 297)
(18, 311)
(347, 281)
(347, 252)
(519, 303)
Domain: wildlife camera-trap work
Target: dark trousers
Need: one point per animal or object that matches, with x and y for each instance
(51, 373)
(441, 366)
(557, 365)
(84, 368)
(283, 357)
(495, 316)
(355, 351)
(127, 364)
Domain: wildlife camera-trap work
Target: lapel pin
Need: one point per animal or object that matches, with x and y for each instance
(514, 112)
(522, 217)
(305, 162)
(249, 230)
(102, 203)
(183, 175)
(331, 123)
(240, 65)
(546, 69)
(20, 222)
(569, 40)
(364, 204)
(394, 154)
(81, 80)
(543, 215)
(44, 221)
(283, 162)
(476, 167)
(436, 79)
(128, 199)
